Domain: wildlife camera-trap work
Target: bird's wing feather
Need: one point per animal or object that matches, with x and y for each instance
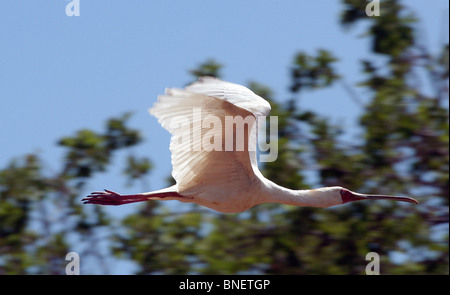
(196, 170)
(238, 95)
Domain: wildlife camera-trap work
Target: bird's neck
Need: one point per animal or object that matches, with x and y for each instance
(306, 198)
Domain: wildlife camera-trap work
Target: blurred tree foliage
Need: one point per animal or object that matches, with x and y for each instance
(402, 148)
(40, 214)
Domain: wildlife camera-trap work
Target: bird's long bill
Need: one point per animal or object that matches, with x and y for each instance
(393, 198)
(356, 197)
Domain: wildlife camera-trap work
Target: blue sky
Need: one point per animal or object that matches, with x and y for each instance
(59, 74)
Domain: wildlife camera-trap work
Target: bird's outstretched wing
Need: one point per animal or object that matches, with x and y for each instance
(196, 117)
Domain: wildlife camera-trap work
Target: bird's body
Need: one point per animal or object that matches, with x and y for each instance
(214, 136)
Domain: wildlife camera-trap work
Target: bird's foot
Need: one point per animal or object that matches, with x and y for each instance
(112, 198)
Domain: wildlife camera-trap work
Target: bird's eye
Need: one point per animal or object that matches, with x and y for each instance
(345, 193)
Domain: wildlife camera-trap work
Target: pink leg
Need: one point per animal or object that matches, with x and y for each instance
(111, 198)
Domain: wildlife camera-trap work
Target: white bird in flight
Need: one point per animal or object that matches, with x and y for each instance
(226, 179)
